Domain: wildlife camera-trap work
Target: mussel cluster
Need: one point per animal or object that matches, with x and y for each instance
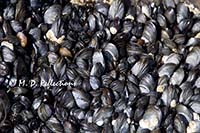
(133, 66)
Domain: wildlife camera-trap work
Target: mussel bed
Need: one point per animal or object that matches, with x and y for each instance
(120, 66)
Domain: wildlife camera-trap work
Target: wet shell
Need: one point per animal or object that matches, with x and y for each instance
(147, 84)
(185, 95)
(52, 14)
(102, 8)
(98, 58)
(193, 58)
(120, 124)
(140, 68)
(152, 118)
(81, 99)
(195, 27)
(150, 32)
(172, 58)
(3, 69)
(101, 114)
(21, 128)
(8, 54)
(166, 69)
(183, 110)
(161, 20)
(177, 77)
(182, 12)
(44, 112)
(168, 95)
(54, 125)
(112, 50)
(116, 10)
(170, 15)
(99, 66)
(8, 13)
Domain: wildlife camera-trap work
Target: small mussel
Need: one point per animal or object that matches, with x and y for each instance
(151, 118)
